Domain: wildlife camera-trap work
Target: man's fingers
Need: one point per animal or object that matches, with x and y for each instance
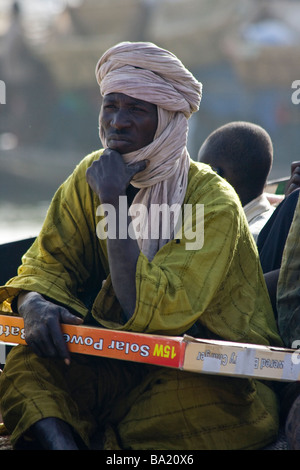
(294, 165)
(36, 349)
(60, 345)
(137, 167)
(50, 343)
(58, 339)
(69, 318)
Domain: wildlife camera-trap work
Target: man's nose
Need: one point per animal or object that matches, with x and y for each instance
(120, 119)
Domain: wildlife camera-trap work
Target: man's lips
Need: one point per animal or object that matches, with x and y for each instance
(119, 143)
(117, 138)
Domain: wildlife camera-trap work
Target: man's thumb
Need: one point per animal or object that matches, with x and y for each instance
(138, 166)
(69, 318)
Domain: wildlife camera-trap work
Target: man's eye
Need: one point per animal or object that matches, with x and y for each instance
(137, 108)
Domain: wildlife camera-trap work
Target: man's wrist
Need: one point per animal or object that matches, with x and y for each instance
(113, 199)
(26, 297)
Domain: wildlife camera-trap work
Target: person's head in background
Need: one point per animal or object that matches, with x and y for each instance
(242, 153)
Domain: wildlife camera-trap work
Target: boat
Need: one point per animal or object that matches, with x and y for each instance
(10, 258)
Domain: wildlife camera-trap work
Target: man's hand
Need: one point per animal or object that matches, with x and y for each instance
(109, 176)
(294, 181)
(42, 321)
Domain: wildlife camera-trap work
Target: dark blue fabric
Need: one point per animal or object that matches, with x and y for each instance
(271, 240)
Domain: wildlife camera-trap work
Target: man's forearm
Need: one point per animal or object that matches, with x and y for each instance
(109, 177)
(123, 255)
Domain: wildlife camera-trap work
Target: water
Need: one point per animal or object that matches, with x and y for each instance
(29, 178)
(22, 213)
(21, 221)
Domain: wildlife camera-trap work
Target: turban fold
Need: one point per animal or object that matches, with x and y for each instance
(144, 71)
(147, 72)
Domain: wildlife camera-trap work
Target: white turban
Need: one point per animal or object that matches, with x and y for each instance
(146, 72)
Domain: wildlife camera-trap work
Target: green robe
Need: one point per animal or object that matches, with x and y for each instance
(217, 290)
(288, 286)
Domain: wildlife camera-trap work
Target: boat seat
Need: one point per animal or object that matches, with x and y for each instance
(10, 259)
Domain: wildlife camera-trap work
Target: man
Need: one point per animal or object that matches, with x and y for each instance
(272, 237)
(242, 153)
(289, 322)
(153, 284)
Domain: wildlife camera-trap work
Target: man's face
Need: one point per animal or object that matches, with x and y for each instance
(128, 124)
(205, 155)
(219, 164)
